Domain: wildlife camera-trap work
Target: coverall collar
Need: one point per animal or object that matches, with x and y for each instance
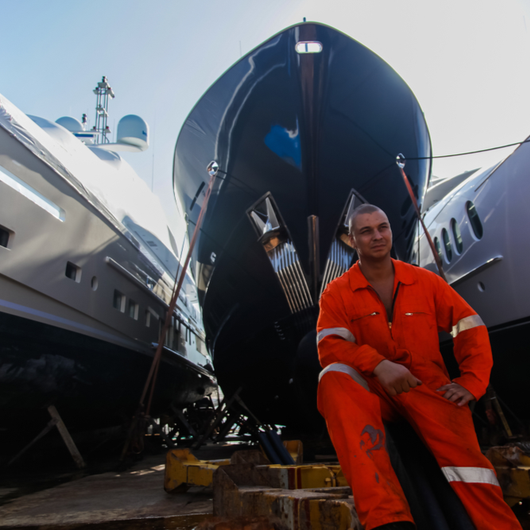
(402, 274)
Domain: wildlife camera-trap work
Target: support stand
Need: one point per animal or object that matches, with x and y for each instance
(55, 421)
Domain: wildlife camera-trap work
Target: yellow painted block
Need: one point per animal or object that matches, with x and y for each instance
(515, 482)
(316, 477)
(200, 475)
(183, 469)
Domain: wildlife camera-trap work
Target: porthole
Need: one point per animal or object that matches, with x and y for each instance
(438, 247)
(94, 283)
(459, 245)
(447, 245)
(474, 219)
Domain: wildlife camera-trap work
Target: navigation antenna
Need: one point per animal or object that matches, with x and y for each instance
(103, 91)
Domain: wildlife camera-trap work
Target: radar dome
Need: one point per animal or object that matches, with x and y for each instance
(133, 130)
(71, 124)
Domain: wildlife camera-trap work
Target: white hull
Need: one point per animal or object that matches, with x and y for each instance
(93, 272)
(490, 272)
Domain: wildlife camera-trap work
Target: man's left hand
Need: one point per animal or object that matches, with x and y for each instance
(456, 393)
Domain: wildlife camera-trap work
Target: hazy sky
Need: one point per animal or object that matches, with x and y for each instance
(467, 61)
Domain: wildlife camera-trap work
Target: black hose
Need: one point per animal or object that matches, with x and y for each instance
(433, 503)
(268, 448)
(283, 454)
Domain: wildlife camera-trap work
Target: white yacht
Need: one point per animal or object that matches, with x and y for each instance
(479, 230)
(87, 269)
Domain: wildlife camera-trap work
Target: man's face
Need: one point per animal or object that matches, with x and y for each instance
(371, 235)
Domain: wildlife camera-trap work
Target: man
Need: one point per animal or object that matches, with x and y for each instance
(378, 344)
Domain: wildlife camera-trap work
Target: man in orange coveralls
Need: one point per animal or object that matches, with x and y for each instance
(378, 344)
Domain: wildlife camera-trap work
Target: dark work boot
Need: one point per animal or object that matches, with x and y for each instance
(399, 525)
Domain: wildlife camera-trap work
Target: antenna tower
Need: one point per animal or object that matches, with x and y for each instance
(103, 91)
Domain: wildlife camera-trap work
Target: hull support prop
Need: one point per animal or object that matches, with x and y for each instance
(55, 421)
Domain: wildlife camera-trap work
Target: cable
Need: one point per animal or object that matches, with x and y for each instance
(470, 152)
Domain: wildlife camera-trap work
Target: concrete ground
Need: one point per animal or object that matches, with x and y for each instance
(47, 493)
(136, 495)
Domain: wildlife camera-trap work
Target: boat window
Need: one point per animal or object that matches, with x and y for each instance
(447, 245)
(33, 195)
(459, 245)
(308, 47)
(118, 301)
(133, 309)
(201, 346)
(474, 219)
(167, 340)
(438, 247)
(149, 314)
(94, 283)
(73, 272)
(4, 237)
(170, 335)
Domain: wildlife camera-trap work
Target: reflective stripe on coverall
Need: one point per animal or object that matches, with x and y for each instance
(354, 332)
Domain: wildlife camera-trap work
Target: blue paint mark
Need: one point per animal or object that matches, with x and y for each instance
(286, 144)
(372, 439)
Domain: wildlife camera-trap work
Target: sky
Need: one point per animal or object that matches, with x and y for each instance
(467, 62)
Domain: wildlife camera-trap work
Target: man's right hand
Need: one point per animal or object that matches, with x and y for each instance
(395, 378)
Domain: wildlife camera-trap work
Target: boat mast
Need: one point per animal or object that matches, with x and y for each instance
(103, 91)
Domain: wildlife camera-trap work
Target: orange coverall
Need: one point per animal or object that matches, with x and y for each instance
(354, 336)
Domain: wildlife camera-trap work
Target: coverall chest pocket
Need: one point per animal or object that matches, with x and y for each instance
(357, 318)
(419, 333)
(367, 326)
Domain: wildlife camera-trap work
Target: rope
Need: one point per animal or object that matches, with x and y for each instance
(141, 418)
(400, 161)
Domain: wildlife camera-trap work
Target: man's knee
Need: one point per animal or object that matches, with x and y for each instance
(345, 369)
(340, 396)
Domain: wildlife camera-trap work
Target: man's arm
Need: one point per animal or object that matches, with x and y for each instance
(395, 378)
(456, 393)
(336, 342)
(472, 348)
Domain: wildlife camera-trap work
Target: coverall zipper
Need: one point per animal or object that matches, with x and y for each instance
(392, 309)
(392, 312)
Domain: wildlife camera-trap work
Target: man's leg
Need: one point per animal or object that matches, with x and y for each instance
(448, 431)
(354, 417)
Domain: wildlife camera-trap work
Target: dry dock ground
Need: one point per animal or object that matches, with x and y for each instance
(131, 499)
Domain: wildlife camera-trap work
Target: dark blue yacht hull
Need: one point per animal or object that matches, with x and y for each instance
(300, 139)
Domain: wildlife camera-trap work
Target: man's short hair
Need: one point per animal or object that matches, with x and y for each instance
(363, 208)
